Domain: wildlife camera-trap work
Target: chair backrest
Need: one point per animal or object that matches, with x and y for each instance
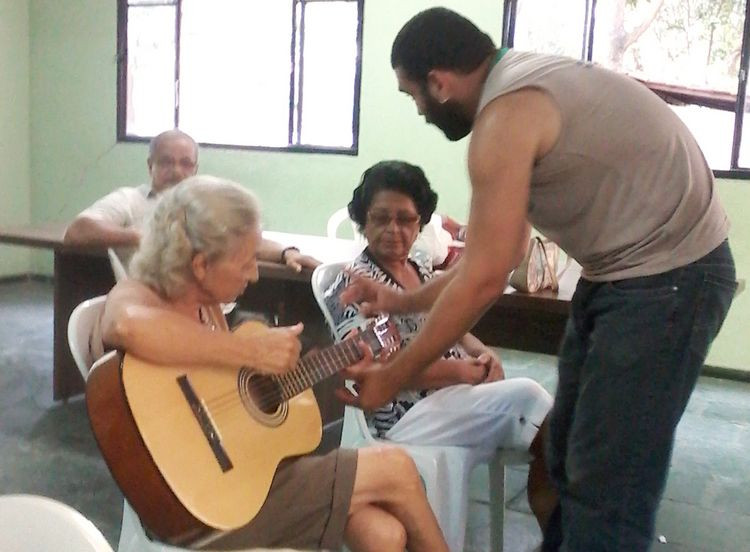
(322, 278)
(118, 269)
(30, 523)
(334, 222)
(355, 431)
(80, 330)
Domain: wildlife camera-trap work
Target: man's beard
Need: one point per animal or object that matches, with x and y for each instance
(448, 117)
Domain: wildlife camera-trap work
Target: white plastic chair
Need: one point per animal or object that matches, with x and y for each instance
(334, 222)
(31, 523)
(133, 537)
(445, 470)
(80, 329)
(118, 269)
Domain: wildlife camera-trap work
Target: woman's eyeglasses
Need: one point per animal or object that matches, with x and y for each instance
(404, 220)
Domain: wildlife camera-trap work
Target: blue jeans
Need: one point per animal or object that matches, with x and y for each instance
(630, 358)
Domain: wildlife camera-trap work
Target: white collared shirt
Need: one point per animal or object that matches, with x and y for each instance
(127, 207)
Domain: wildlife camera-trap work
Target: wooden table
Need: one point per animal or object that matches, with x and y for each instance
(79, 274)
(531, 322)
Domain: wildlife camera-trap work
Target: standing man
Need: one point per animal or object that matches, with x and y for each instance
(116, 219)
(602, 166)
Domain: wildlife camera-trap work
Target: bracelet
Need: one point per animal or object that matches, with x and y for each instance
(284, 251)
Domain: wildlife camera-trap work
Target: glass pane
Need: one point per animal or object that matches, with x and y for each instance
(713, 129)
(152, 2)
(693, 44)
(744, 158)
(235, 70)
(150, 81)
(330, 65)
(551, 27)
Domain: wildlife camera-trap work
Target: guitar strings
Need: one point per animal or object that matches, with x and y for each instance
(272, 387)
(270, 390)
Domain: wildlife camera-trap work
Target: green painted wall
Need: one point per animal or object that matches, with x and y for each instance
(75, 159)
(732, 347)
(14, 128)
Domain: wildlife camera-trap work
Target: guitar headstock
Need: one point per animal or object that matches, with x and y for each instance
(382, 337)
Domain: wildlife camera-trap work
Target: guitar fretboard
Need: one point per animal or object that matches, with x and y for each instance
(318, 366)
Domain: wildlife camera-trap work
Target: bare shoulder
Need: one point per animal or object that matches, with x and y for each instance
(527, 119)
(133, 292)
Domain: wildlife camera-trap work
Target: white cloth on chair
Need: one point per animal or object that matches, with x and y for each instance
(433, 241)
(503, 414)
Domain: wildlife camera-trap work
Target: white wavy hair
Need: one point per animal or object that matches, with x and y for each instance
(201, 214)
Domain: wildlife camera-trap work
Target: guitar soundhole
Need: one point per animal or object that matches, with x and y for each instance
(264, 392)
(262, 397)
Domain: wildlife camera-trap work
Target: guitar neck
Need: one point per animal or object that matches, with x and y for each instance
(318, 366)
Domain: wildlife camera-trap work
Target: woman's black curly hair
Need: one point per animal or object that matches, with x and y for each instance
(397, 176)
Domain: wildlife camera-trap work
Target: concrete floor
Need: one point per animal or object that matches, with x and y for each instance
(47, 448)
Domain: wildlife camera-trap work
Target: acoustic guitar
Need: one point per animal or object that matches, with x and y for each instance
(194, 449)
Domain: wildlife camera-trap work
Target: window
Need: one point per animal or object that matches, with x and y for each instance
(692, 53)
(266, 74)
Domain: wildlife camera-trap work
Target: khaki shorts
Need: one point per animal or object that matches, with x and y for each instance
(307, 506)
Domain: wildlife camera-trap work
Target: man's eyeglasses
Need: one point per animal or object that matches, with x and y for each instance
(404, 220)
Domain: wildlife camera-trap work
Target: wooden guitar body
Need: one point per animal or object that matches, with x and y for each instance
(162, 457)
(195, 449)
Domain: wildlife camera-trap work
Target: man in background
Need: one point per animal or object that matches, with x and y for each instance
(116, 219)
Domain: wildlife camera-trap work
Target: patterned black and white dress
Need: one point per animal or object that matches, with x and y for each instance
(348, 318)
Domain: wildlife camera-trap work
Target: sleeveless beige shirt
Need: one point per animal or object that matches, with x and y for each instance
(625, 190)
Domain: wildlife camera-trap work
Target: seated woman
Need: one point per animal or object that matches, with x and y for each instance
(462, 399)
(199, 250)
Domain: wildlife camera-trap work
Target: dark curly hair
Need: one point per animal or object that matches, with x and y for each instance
(397, 176)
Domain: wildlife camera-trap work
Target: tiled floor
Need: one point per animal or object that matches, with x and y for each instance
(47, 448)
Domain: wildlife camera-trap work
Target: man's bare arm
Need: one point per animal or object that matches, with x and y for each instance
(374, 297)
(87, 231)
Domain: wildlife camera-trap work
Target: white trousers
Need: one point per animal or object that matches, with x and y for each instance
(502, 414)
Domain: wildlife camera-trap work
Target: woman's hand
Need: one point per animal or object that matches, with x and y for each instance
(485, 368)
(275, 350)
(492, 365)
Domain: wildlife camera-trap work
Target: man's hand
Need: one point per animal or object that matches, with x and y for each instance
(373, 297)
(297, 261)
(373, 383)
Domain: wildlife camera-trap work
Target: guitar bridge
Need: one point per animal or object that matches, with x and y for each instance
(203, 418)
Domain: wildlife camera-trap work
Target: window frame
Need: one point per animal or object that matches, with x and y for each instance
(683, 95)
(295, 90)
